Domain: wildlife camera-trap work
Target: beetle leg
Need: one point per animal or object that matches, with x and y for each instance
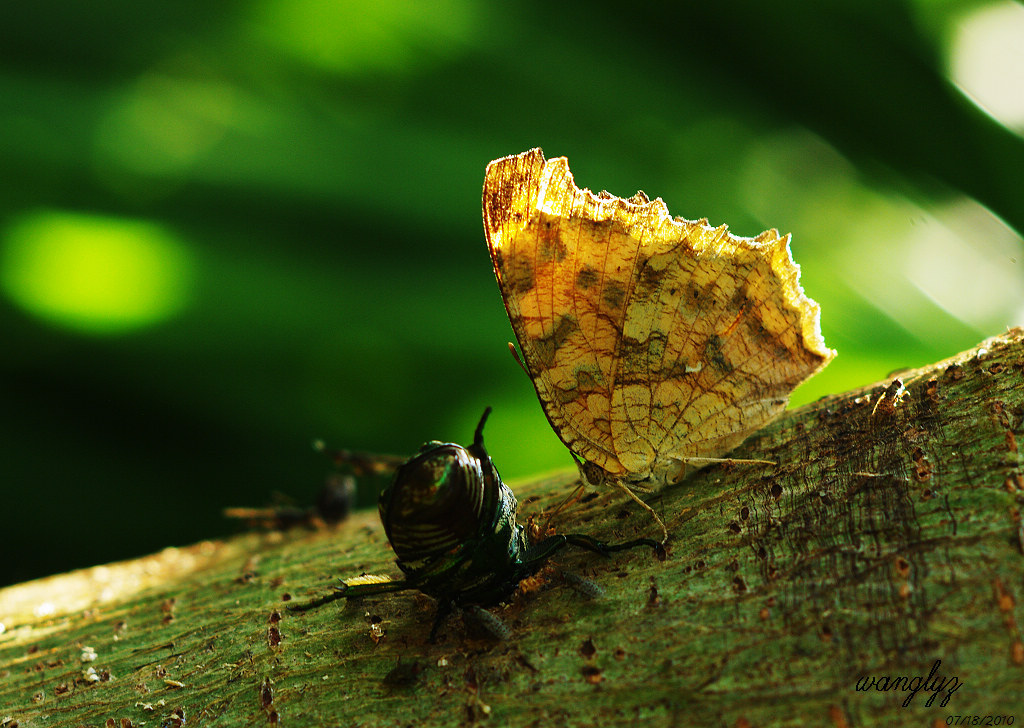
(539, 553)
(534, 556)
(444, 608)
(600, 547)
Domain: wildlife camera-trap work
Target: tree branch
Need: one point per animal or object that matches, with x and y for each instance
(887, 537)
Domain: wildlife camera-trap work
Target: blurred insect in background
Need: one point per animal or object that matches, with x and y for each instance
(334, 501)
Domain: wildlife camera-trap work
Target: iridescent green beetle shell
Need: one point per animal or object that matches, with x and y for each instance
(452, 524)
(436, 502)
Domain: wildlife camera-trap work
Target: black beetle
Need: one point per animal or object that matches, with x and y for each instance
(452, 524)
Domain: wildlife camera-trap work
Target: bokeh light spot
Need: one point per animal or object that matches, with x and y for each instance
(155, 131)
(987, 63)
(94, 274)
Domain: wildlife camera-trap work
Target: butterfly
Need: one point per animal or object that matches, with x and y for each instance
(653, 342)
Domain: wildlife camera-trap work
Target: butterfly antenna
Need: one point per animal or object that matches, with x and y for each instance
(515, 355)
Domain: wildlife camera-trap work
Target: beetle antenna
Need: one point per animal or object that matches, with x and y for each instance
(478, 436)
(338, 593)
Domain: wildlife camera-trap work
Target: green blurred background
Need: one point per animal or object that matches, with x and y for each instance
(230, 228)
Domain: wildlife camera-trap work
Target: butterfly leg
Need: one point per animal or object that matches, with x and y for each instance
(628, 491)
(700, 462)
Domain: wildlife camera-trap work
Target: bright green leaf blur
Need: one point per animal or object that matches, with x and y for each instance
(94, 274)
(352, 38)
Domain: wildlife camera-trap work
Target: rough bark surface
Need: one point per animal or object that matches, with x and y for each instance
(888, 537)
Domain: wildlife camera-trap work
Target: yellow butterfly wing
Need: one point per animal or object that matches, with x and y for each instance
(565, 306)
(648, 339)
(716, 336)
